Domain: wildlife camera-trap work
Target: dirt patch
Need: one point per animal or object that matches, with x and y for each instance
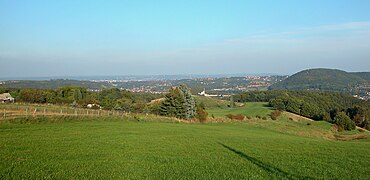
(296, 117)
(349, 137)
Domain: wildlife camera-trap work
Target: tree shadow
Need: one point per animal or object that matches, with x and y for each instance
(269, 168)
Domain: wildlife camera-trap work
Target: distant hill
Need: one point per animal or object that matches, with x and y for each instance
(363, 75)
(323, 79)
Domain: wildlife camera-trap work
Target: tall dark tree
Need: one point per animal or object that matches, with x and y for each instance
(179, 103)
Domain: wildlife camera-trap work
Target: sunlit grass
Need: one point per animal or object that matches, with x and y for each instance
(116, 148)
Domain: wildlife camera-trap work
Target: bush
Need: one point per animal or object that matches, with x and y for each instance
(344, 122)
(258, 116)
(275, 114)
(365, 124)
(264, 118)
(201, 115)
(235, 117)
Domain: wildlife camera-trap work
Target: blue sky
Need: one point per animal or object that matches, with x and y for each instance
(61, 38)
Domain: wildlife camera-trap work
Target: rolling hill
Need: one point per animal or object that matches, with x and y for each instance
(363, 75)
(322, 79)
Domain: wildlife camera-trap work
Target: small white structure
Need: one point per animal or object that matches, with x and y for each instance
(203, 93)
(6, 97)
(95, 106)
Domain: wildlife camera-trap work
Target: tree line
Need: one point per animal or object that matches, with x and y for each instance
(109, 99)
(178, 102)
(318, 105)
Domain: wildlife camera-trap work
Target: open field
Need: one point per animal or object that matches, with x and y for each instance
(97, 147)
(249, 109)
(219, 108)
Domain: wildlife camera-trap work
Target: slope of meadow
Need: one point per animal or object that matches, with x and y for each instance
(90, 147)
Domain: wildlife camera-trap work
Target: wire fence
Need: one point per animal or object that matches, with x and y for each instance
(15, 110)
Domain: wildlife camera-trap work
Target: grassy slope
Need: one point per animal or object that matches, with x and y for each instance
(211, 103)
(249, 109)
(219, 107)
(125, 149)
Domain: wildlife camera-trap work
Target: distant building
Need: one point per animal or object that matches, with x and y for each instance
(6, 97)
(203, 93)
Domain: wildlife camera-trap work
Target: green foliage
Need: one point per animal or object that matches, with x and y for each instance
(344, 122)
(365, 124)
(189, 102)
(320, 79)
(201, 114)
(326, 117)
(179, 103)
(79, 97)
(258, 96)
(313, 104)
(278, 104)
(363, 75)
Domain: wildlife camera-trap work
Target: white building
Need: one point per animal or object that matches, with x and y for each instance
(203, 93)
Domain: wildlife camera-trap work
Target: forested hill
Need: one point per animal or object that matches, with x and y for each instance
(322, 79)
(363, 75)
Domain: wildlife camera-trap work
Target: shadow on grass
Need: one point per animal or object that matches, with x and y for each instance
(269, 168)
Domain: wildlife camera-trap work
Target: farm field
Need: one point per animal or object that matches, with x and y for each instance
(108, 147)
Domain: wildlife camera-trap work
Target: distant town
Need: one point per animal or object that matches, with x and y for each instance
(216, 86)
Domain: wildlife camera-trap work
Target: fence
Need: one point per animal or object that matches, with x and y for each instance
(27, 110)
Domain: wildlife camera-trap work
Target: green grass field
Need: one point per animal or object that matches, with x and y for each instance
(219, 108)
(92, 148)
(249, 109)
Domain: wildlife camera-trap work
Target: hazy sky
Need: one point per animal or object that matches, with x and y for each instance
(58, 38)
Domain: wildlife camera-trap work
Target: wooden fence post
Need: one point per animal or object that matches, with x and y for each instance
(34, 112)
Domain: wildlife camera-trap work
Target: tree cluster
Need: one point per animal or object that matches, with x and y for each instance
(113, 98)
(318, 105)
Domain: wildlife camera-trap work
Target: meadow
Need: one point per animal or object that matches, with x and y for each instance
(68, 147)
(251, 109)
(220, 108)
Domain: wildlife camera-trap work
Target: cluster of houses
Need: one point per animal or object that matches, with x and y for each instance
(6, 97)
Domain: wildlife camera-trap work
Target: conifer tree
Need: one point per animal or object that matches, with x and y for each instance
(179, 103)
